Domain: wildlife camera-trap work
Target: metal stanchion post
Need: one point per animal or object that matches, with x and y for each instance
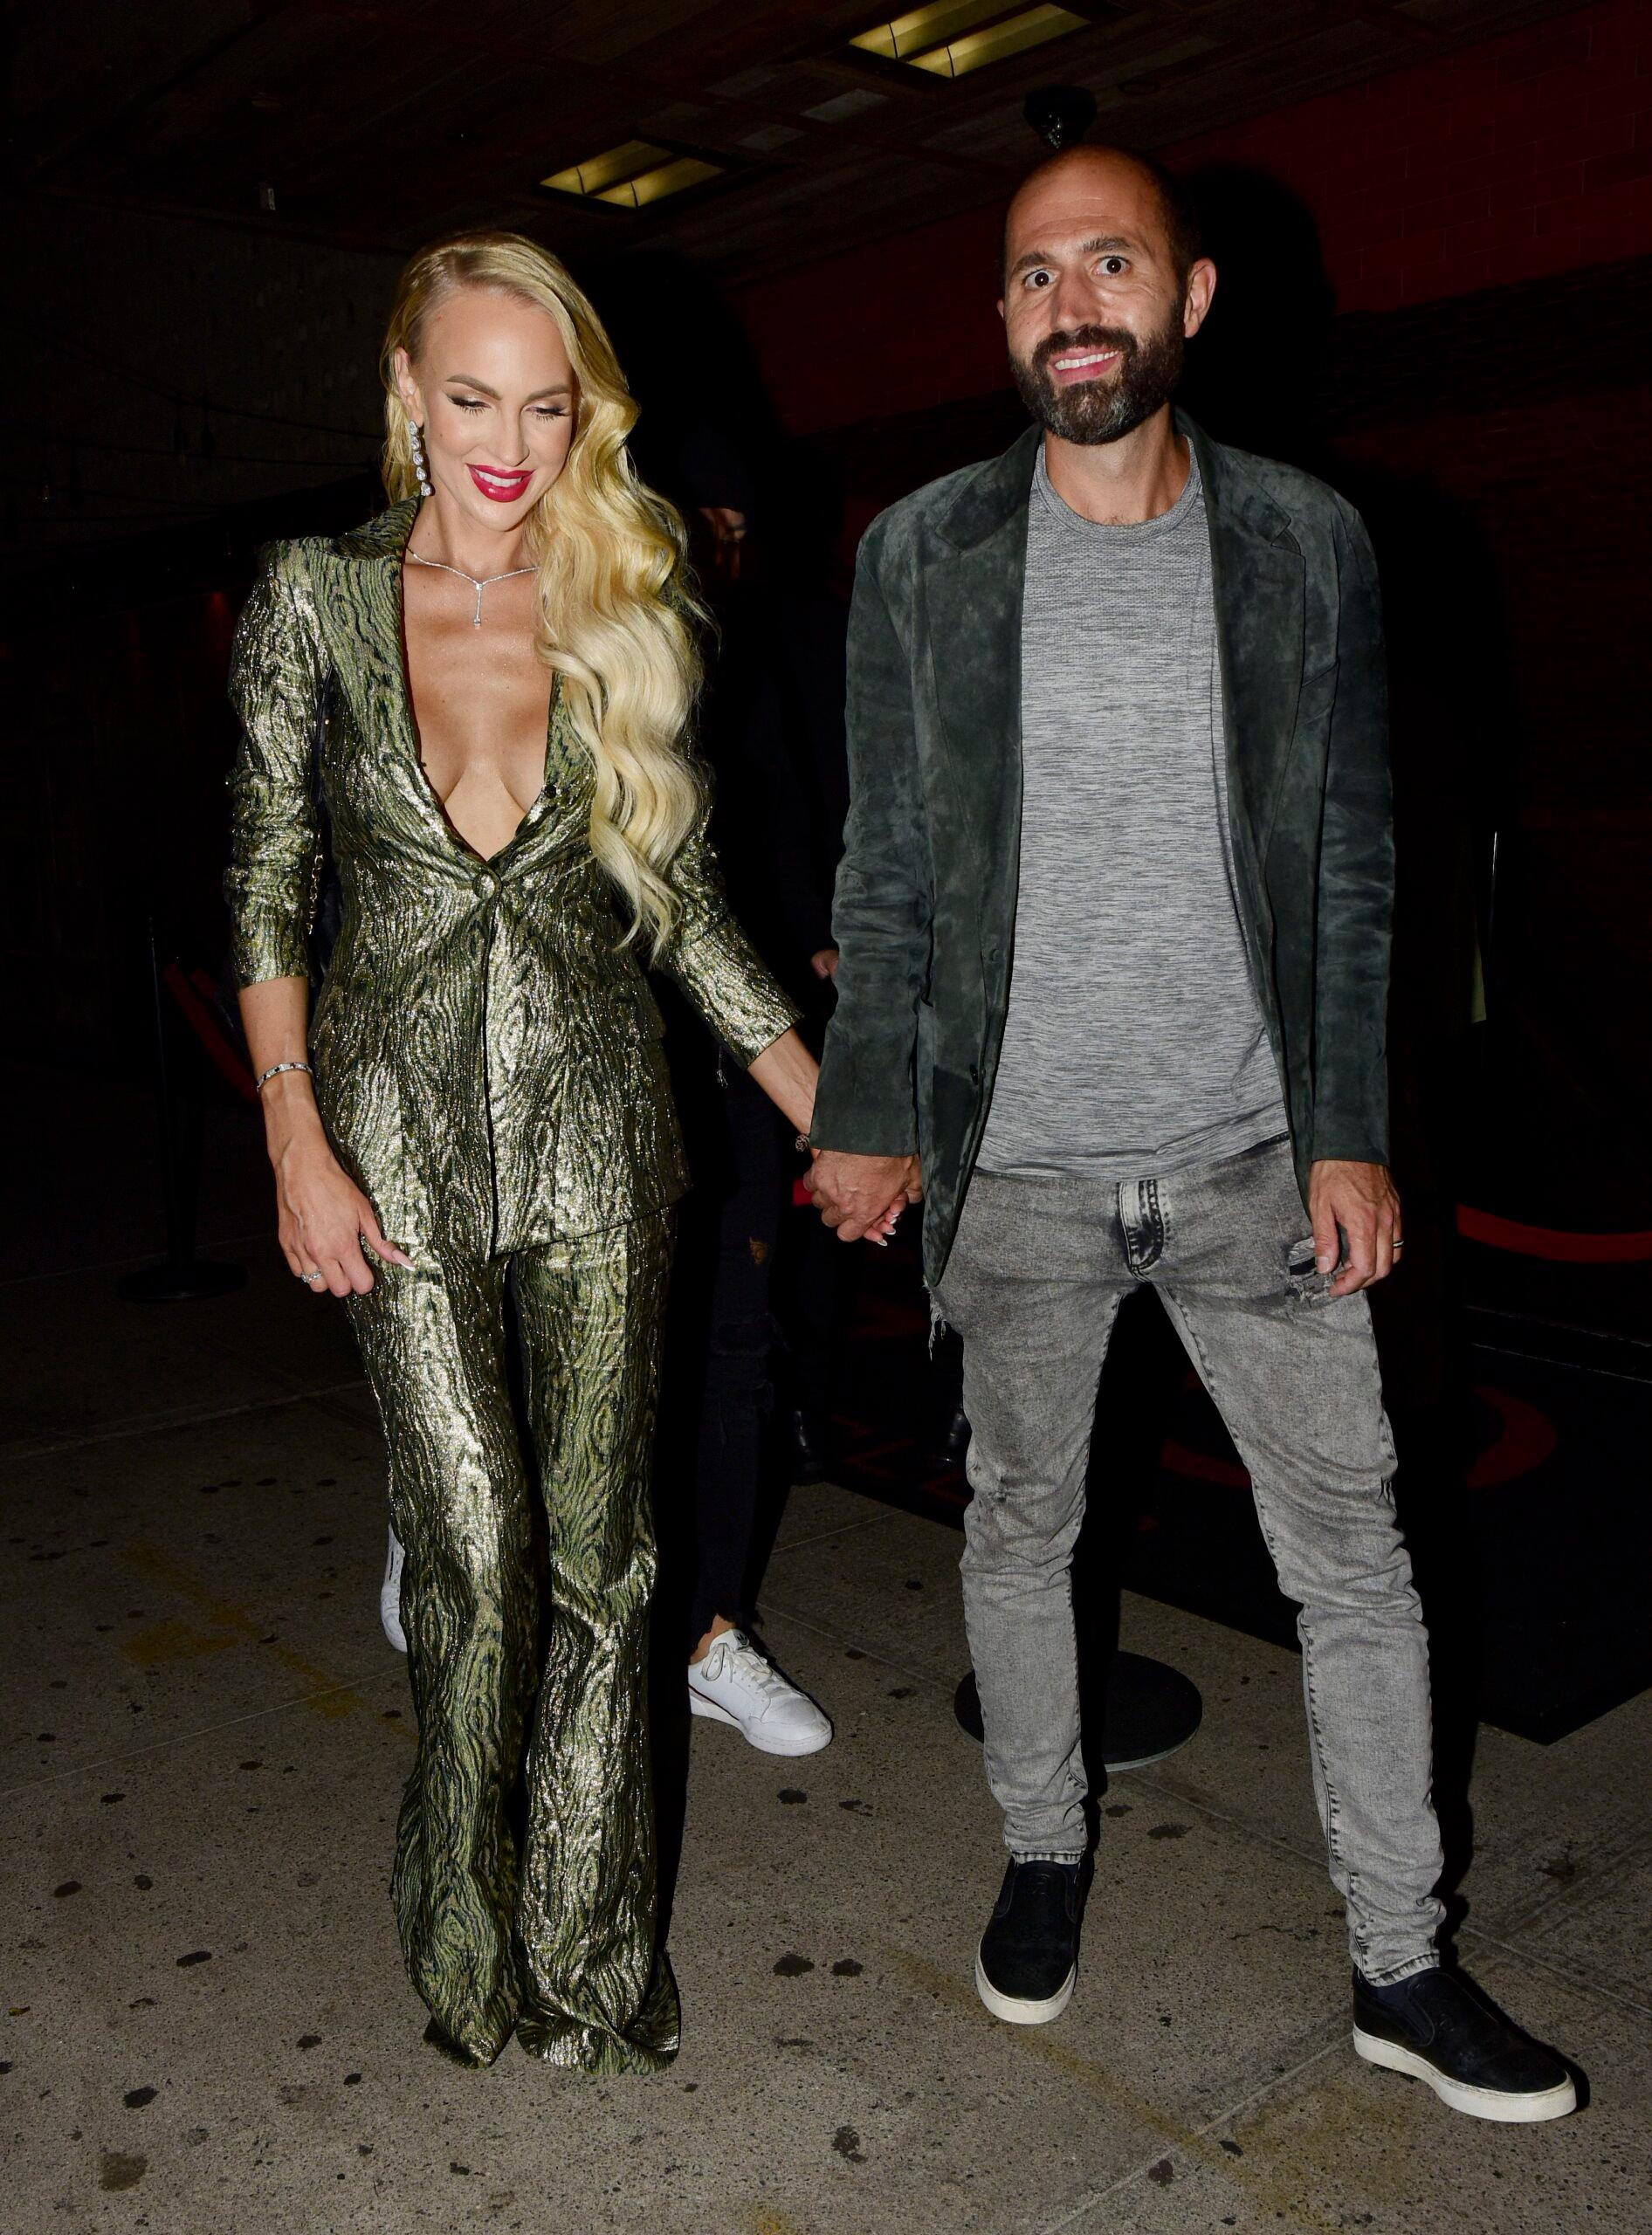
(182, 1274)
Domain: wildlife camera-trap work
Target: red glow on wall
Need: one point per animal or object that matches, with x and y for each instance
(1525, 155)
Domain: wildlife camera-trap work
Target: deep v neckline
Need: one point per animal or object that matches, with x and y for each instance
(411, 723)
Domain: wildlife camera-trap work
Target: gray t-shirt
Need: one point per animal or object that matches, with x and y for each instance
(1134, 1043)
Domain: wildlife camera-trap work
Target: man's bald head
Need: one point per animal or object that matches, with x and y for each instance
(1101, 165)
(1103, 286)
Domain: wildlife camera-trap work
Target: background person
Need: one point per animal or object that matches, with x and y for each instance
(772, 712)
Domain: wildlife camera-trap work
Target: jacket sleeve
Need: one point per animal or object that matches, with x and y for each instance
(276, 672)
(881, 913)
(714, 962)
(1356, 874)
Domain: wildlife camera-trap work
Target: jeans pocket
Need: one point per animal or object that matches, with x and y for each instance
(1305, 1282)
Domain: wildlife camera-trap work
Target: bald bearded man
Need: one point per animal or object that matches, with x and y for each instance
(1113, 934)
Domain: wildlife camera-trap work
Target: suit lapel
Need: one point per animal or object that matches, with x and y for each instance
(1257, 583)
(368, 611)
(974, 577)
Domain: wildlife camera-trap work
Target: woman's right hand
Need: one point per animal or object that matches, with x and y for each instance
(324, 1218)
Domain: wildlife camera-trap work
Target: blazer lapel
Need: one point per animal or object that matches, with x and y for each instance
(974, 580)
(368, 610)
(1257, 582)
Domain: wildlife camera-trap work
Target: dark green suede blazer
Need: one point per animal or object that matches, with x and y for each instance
(925, 914)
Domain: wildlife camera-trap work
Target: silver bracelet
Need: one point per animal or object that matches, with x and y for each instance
(276, 1069)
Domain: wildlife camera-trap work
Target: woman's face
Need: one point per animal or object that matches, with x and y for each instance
(495, 394)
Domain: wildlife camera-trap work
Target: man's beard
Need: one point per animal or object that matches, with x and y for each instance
(1102, 410)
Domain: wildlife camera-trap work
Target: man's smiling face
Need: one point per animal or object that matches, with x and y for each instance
(1096, 302)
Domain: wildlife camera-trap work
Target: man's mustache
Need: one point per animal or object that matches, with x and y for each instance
(1083, 337)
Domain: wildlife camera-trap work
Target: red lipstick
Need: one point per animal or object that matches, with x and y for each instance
(503, 488)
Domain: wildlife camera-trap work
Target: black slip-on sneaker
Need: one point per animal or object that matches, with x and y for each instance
(1028, 1959)
(1438, 2027)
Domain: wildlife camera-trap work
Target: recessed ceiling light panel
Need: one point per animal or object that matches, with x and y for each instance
(950, 37)
(632, 175)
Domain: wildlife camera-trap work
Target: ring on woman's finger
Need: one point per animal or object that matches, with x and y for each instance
(313, 1280)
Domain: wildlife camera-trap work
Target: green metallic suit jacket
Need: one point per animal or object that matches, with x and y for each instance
(925, 913)
(488, 1053)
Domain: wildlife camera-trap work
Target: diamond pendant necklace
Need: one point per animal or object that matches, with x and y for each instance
(487, 581)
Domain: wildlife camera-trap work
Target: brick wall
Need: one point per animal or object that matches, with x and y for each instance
(1524, 156)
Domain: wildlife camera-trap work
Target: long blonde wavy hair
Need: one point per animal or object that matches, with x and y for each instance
(618, 621)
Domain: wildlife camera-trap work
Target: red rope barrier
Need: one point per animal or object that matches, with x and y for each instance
(1549, 1242)
(208, 1031)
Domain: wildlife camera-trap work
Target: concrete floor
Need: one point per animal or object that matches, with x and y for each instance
(207, 2027)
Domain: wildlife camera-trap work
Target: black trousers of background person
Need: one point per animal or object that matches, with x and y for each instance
(810, 1305)
(720, 1385)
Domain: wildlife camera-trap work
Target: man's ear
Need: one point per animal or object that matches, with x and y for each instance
(1201, 288)
(1000, 306)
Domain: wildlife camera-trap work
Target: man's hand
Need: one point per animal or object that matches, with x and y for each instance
(1361, 1199)
(860, 1195)
(824, 963)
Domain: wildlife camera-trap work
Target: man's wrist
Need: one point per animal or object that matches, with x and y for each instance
(871, 1156)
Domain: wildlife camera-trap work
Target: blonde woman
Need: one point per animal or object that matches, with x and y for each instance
(488, 688)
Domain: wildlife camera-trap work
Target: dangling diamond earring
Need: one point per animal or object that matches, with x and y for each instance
(418, 458)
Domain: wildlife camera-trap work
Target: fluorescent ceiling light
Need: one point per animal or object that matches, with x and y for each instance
(632, 175)
(952, 38)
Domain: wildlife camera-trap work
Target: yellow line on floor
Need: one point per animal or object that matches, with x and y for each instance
(1108, 2090)
(166, 1423)
(171, 1641)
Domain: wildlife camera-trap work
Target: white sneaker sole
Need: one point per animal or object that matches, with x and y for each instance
(1477, 2103)
(764, 1742)
(1023, 2013)
(390, 1598)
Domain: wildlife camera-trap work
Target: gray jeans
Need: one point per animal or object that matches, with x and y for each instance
(1034, 1284)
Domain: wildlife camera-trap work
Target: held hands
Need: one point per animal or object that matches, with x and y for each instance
(1361, 1199)
(856, 1194)
(863, 1196)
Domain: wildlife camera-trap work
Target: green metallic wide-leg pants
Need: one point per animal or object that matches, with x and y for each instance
(551, 1933)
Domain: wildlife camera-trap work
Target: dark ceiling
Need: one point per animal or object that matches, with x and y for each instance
(378, 126)
(196, 352)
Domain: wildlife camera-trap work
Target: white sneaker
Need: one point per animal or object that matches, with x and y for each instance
(390, 1596)
(735, 1684)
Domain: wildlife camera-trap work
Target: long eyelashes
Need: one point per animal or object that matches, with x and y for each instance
(541, 411)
